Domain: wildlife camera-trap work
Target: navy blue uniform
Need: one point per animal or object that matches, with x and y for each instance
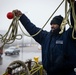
(58, 50)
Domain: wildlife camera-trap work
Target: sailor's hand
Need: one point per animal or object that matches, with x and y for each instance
(17, 13)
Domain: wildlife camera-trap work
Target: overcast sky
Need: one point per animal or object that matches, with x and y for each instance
(38, 11)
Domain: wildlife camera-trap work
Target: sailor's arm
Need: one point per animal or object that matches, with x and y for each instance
(30, 27)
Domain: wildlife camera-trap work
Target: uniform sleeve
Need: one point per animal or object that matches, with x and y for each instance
(32, 29)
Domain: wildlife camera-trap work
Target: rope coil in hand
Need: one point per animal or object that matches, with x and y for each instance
(11, 34)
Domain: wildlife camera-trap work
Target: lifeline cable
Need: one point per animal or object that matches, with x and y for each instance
(65, 19)
(74, 18)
